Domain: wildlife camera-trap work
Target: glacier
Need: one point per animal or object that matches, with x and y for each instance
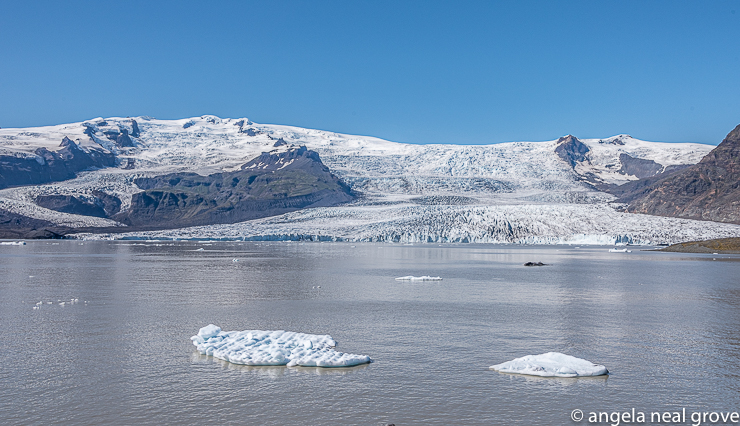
(589, 224)
(514, 192)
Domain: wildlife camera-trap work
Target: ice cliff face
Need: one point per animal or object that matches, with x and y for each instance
(421, 186)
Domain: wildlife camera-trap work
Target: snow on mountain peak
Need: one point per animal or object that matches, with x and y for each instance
(208, 144)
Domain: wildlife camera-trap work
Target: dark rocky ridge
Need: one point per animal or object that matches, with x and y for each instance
(571, 150)
(101, 204)
(708, 190)
(53, 166)
(638, 166)
(271, 184)
(13, 225)
(721, 245)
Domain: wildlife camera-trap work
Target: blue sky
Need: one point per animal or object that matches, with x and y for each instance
(417, 71)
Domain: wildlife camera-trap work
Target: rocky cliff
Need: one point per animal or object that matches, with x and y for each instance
(709, 190)
(51, 166)
(271, 184)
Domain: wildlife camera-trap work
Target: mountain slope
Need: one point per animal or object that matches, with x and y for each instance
(708, 190)
(44, 165)
(271, 184)
(175, 173)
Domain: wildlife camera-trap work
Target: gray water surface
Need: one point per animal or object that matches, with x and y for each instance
(664, 324)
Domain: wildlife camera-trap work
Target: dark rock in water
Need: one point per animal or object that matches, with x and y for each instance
(572, 150)
(52, 166)
(708, 190)
(535, 264)
(271, 184)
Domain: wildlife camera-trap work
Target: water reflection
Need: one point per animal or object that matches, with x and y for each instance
(560, 381)
(275, 370)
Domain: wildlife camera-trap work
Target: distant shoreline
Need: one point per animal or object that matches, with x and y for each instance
(720, 245)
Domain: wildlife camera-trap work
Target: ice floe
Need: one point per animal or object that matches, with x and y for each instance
(12, 243)
(258, 347)
(551, 364)
(616, 250)
(422, 278)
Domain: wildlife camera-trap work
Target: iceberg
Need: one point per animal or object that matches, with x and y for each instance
(551, 364)
(259, 348)
(422, 278)
(12, 243)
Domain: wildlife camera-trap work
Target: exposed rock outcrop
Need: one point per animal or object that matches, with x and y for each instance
(709, 190)
(271, 184)
(13, 225)
(51, 166)
(720, 245)
(100, 204)
(570, 149)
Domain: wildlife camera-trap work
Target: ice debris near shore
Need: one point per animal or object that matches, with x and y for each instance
(422, 278)
(257, 347)
(12, 243)
(551, 364)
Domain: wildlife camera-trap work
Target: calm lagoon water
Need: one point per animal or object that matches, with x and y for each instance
(665, 325)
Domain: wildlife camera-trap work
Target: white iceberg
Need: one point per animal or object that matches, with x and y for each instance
(12, 243)
(257, 347)
(616, 250)
(422, 278)
(551, 364)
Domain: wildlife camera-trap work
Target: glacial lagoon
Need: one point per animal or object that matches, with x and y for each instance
(664, 324)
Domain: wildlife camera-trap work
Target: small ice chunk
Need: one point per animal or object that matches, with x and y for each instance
(422, 278)
(12, 243)
(258, 347)
(209, 331)
(551, 364)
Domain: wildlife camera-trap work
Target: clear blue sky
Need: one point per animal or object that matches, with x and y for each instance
(418, 71)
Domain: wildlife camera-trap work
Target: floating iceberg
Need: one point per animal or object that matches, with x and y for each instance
(257, 347)
(423, 278)
(12, 243)
(616, 250)
(551, 364)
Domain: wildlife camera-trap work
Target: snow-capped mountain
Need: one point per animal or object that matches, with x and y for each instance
(566, 172)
